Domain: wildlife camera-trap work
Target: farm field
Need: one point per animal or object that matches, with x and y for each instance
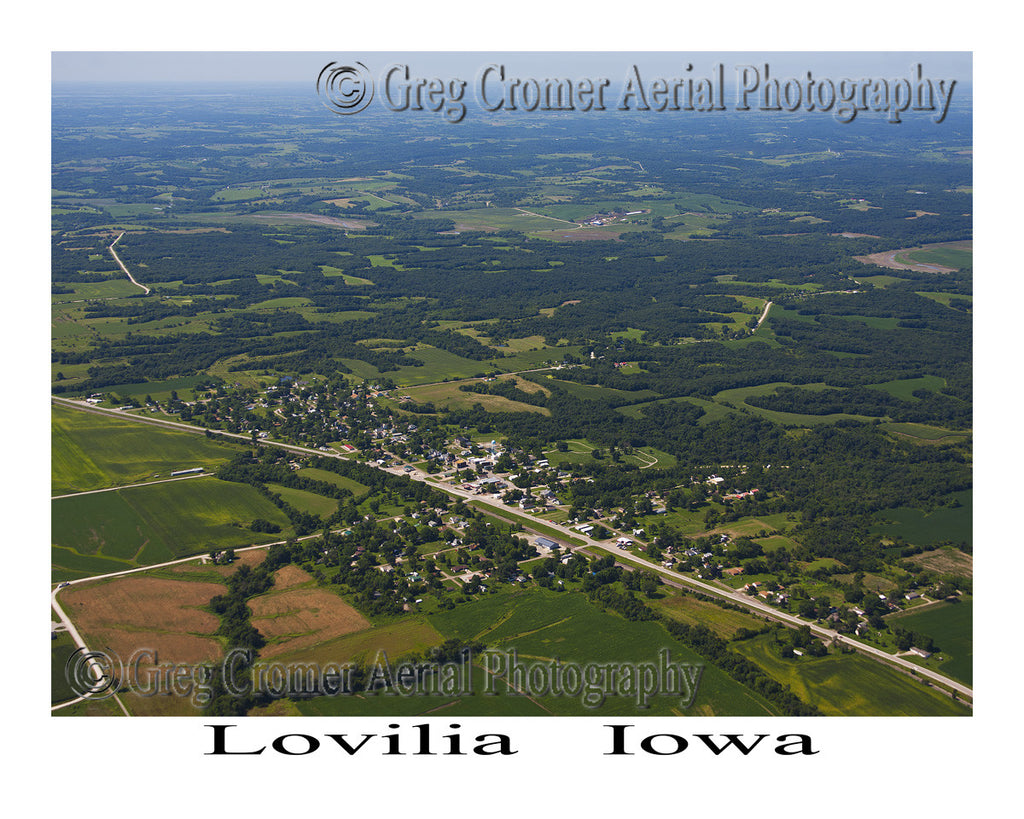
(849, 684)
(951, 626)
(125, 528)
(295, 615)
(693, 611)
(921, 528)
(91, 451)
(542, 625)
(165, 616)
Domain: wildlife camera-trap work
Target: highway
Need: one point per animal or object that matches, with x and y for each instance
(754, 604)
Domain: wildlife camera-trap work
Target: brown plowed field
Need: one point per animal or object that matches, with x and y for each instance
(292, 618)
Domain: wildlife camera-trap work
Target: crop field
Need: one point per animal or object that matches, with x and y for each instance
(128, 614)
(951, 626)
(91, 451)
(110, 289)
(406, 636)
(295, 615)
(921, 528)
(113, 531)
(542, 625)
(692, 611)
(849, 684)
(478, 703)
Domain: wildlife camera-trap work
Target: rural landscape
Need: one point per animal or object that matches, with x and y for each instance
(417, 402)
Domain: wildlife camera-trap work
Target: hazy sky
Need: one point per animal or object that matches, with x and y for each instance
(274, 66)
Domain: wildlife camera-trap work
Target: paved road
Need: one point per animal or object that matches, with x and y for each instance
(740, 598)
(827, 634)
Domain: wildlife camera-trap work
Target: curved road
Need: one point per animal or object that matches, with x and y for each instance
(125, 269)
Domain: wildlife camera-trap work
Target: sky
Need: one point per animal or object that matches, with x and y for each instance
(302, 66)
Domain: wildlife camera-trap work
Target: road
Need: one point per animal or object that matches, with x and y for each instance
(829, 635)
(128, 486)
(764, 315)
(125, 269)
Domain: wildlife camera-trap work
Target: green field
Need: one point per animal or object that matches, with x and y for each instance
(304, 501)
(333, 477)
(693, 611)
(904, 387)
(542, 625)
(921, 528)
(438, 365)
(736, 398)
(61, 648)
(924, 434)
(91, 451)
(945, 256)
(951, 626)
(125, 528)
(849, 684)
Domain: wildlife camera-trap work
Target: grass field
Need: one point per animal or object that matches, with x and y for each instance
(945, 256)
(305, 501)
(450, 396)
(438, 365)
(849, 684)
(736, 397)
(904, 388)
(951, 626)
(946, 561)
(925, 434)
(61, 649)
(125, 528)
(333, 477)
(91, 451)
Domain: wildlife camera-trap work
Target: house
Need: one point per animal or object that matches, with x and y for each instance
(920, 652)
